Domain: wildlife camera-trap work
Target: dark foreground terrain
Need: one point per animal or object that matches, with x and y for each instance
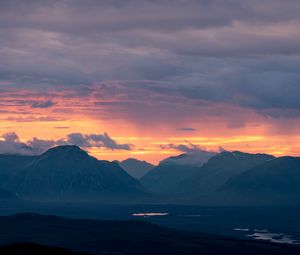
(35, 249)
(121, 237)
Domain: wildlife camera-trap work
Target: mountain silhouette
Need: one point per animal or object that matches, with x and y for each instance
(136, 168)
(67, 172)
(170, 172)
(217, 171)
(276, 181)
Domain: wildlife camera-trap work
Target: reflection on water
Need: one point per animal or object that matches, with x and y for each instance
(242, 229)
(266, 235)
(274, 237)
(194, 215)
(150, 214)
(223, 221)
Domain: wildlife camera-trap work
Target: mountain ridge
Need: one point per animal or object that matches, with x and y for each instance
(136, 168)
(67, 172)
(212, 175)
(171, 171)
(275, 181)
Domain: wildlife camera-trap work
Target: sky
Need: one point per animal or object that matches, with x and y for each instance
(150, 78)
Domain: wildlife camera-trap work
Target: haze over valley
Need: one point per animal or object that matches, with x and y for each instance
(149, 127)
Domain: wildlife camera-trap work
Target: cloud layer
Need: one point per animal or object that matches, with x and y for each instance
(150, 68)
(233, 52)
(11, 143)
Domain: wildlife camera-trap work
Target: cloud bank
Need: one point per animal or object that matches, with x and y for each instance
(225, 67)
(10, 143)
(236, 52)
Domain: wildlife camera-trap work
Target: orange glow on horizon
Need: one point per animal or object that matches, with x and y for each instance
(79, 115)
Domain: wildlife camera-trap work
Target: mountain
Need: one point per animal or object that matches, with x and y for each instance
(274, 182)
(216, 172)
(100, 237)
(67, 173)
(136, 168)
(7, 196)
(170, 172)
(197, 159)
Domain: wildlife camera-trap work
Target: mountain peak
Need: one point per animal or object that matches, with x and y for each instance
(129, 160)
(240, 154)
(197, 158)
(135, 167)
(64, 151)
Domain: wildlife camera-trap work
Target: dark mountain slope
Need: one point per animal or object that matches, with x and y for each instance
(67, 172)
(170, 172)
(216, 172)
(164, 178)
(125, 237)
(6, 196)
(276, 181)
(13, 164)
(35, 249)
(136, 168)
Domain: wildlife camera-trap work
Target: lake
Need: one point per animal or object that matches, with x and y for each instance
(275, 224)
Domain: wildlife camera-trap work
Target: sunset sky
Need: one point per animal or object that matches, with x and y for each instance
(150, 78)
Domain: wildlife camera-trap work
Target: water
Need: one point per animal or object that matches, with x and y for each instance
(274, 224)
(255, 224)
(242, 229)
(150, 214)
(266, 235)
(274, 237)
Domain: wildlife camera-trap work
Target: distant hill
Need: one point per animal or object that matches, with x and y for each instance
(35, 249)
(275, 181)
(170, 172)
(197, 159)
(120, 237)
(210, 177)
(67, 173)
(136, 168)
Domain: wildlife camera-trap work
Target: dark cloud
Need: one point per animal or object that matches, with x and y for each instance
(31, 118)
(11, 143)
(78, 139)
(106, 141)
(38, 146)
(96, 140)
(186, 148)
(11, 137)
(45, 104)
(193, 154)
(179, 57)
(190, 148)
(188, 129)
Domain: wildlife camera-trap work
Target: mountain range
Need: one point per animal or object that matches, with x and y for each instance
(228, 178)
(136, 168)
(166, 177)
(274, 182)
(207, 180)
(67, 173)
